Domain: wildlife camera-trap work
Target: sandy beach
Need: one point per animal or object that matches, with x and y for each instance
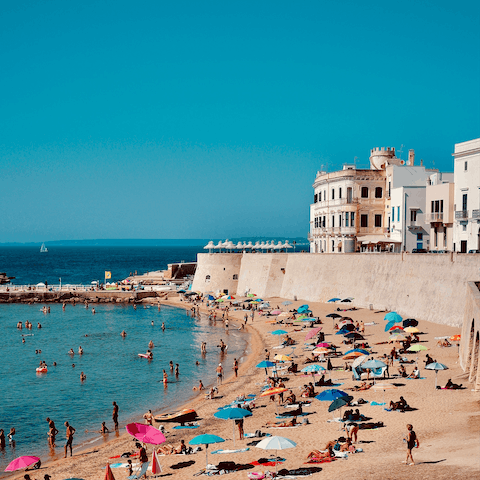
(446, 421)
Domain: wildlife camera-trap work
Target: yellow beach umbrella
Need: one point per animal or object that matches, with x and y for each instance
(282, 358)
(412, 330)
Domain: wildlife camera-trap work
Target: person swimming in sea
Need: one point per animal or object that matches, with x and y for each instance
(150, 344)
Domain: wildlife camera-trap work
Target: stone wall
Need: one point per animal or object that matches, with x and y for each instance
(426, 286)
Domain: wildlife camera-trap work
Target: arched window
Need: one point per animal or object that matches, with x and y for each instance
(378, 192)
(207, 279)
(364, 192)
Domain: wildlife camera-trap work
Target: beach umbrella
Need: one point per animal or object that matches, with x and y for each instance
(181, 291)
(206, 439)
(109, 473)
(333, 315)
(396, 327)
(282, 358)
(22, 462)
(389, 325)
(411, 330)
(339, 403)
(322, 345)
(275, 443)
(455, 338)
(417, 348)
(279, 332)
(393, 317)
(351, 355)
(359, 361)
(350, 327)
(360, 350)
(275, 312)
(312, 333)
(320, 350)
(354, 335)
(384, 386)
(374, 364)
(410, 322)
(436, 366)
(286, 302)
(250, 295)
(156, 467)
(273, 391)
(398, 337)
(330, 395)
(302, 307)
(210, 297)
(342, 331)
(232, 414)
(336, 299)
(265, 364)
(346, 300)
(145, 433)
(312, 368)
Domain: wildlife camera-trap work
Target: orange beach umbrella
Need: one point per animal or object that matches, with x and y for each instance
(273, 391)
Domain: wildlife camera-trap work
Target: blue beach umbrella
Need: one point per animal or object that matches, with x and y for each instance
(342, 331)
(302, 308)
(334, 300)
(373, 364)
(210, 297)
(393, 317)
(232, 414)
(339, 403)
(436, 366)
(206, 439)
(279, 332)
(330, 395)
(389, 325)
(265, 364)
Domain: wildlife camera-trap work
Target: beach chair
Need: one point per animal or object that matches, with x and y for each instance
(140, 472)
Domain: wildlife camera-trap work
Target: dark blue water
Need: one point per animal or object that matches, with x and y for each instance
(85, 264)
(114, 370)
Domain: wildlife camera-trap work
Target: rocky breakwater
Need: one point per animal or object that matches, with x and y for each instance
(36, 296)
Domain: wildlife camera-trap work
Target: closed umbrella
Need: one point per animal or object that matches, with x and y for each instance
(436, 366)
(206, 439)
(156, 467)
(109, 473)
(232, 414)
(312, 333)
(276, 443)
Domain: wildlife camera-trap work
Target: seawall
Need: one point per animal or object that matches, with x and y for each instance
(431, 287)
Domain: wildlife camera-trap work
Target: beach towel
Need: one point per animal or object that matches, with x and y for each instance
(231, 451)
(293, 426)
(376, 403)
(419, 378)
(182, 427)
(320, 460)
(267, 463)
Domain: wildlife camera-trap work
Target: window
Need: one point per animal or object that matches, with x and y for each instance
(319, 196)
(340, 192)
(378, 221)
(346, 219)
(433, 207)
(389, 188)
(441, 206)
(413, 215)
(465, 168)
(324, 195)
(364, 221)
(364, 192)
(333, 194)
(398, 213)
(316, 222)
(393, 214)
(437, 206)
(352, 218)
(419, 237)
(207, 279)
(378, 192)
(340, 220)
(333, 221)
(235, 276)
(464, 202)
(333, 245)
(324, 221)
(315, 197)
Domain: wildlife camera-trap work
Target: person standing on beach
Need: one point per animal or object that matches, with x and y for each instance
(149, 417)
(412, 441)
(115, 415)
(219, 374)
(142, 456)
(235, 367)
(69, 434)
(52, 432)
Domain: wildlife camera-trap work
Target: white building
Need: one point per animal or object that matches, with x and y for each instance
(408, 228)
(466, 231)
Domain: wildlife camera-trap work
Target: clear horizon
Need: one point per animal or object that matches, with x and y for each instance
(191, 120)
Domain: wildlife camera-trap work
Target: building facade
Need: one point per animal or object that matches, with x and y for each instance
(439, 211)
(466, 229)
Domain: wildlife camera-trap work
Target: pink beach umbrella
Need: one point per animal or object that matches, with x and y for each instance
(320, 345)
(276, 312)
(21, 463)
(312, 333)
(145, 433)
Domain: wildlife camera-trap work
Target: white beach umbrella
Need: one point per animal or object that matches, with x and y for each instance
(209, 246)
(278, 246)
(262, 245)
(287, 245)
(276, 443)
(239, 246)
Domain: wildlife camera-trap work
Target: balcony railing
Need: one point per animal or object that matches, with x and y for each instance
(476, 214)
(434, 217)
(461, 215)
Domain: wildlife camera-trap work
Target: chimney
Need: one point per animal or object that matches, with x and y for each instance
(411, 157)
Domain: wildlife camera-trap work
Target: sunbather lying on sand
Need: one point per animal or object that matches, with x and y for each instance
(400, 405)
(452, 386)
(317, 454)
(171, 450)
(362, 386)
(291, 423)
(322, 382)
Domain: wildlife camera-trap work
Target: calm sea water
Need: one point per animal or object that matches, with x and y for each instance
(114, 370)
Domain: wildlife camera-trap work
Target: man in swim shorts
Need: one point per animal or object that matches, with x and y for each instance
(69, 435)
(219, 374)
(115, 415)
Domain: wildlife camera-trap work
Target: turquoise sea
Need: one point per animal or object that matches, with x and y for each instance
(111, 363)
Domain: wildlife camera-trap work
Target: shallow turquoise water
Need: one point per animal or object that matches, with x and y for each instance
(114, 370)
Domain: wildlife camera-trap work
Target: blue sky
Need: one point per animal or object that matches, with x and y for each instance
(154, 119)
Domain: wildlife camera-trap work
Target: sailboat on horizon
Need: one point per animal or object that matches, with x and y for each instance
(43, 249)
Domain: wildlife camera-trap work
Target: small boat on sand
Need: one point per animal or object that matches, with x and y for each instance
(183, 416)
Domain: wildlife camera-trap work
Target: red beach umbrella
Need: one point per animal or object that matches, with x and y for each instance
(156, 467)
(21, 462)
(312, 333)
(109, 473)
